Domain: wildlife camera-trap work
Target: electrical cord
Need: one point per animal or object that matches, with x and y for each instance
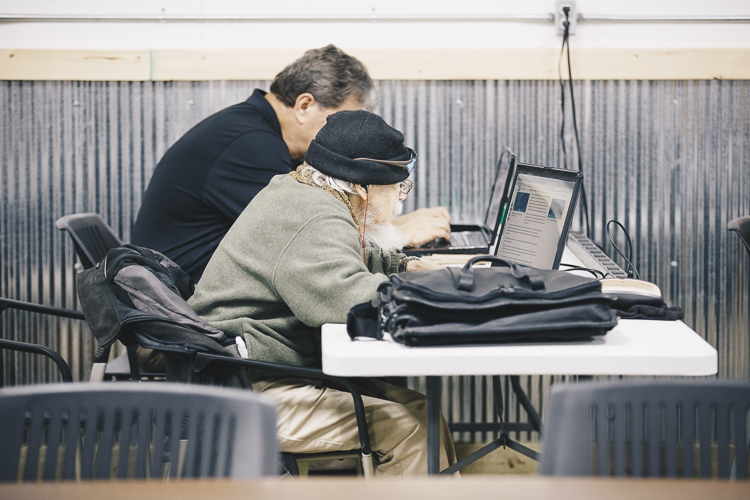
(630, 269)
(572, 267)
(562, 100)
(566, 43)
(364, 225)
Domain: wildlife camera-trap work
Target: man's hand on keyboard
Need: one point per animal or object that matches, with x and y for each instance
(425, 224)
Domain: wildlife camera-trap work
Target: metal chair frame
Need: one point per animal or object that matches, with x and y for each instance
(65, 372)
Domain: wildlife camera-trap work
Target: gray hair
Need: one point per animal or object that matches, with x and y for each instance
(329, 74)
(324, 180)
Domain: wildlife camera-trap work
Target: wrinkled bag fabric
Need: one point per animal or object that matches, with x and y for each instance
(485, 305)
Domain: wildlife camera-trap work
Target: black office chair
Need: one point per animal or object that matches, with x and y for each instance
(92, 239)
(741, 226)
(195, 352)
(103, 431)
(647, 428)
(13, 345)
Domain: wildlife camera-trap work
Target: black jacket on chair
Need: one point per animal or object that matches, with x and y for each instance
(137, 295)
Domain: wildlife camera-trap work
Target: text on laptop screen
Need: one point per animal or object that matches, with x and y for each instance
(536, 216)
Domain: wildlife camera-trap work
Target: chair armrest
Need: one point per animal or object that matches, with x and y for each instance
(65, 372)
(29, 306)
(202, 360)
(741, 225)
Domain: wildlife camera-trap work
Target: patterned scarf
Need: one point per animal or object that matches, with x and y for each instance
(298, 176)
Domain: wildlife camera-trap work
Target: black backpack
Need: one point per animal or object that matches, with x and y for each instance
(138, 296)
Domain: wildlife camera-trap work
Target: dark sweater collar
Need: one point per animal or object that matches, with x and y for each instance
(258, 101)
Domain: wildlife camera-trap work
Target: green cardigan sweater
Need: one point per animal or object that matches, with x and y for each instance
(291, 262)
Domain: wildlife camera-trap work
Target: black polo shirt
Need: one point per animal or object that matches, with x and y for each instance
(207, 178)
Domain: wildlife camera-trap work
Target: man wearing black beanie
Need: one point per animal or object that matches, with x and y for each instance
(309, 247)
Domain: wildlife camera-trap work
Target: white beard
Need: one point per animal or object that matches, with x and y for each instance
(388, 237)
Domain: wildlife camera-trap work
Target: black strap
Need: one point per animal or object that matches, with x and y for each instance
(362, 321)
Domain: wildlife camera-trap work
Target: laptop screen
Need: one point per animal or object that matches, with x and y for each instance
(496, 197)
(540, 211)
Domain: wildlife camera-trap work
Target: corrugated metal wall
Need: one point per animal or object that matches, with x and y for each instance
(669, 159)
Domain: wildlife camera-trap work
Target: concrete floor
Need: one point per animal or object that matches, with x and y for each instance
(499, 462)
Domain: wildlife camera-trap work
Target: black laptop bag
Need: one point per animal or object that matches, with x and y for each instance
(485, 305)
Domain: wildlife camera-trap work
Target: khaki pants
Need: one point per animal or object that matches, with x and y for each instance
(315, 419)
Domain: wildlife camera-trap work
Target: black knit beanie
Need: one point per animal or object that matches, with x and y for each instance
(358, 134)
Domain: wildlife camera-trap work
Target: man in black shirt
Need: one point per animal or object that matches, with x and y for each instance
(208, 177)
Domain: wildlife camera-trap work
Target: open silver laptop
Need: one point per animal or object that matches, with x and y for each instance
(540, 210)
(470, 239)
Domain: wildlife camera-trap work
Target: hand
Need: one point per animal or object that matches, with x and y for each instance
(420, 265)
(425, 224)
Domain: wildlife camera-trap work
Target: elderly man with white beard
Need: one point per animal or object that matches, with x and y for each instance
(309, 247)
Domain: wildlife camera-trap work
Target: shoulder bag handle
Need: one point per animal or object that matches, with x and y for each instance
(522, 273)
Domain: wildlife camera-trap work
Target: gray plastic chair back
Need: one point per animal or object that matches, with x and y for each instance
(647, 428)
(102, 431)
(92, 237)
(741, 226)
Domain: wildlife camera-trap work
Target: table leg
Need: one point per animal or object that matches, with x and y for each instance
(504, 440)
(515, 381)
(433, 425)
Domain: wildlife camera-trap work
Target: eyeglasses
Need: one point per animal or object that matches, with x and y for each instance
(406, 186)
(407, 164)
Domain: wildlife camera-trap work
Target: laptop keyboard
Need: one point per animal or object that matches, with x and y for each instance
(467, 239)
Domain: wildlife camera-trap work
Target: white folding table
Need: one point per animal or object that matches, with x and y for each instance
(633, 347)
